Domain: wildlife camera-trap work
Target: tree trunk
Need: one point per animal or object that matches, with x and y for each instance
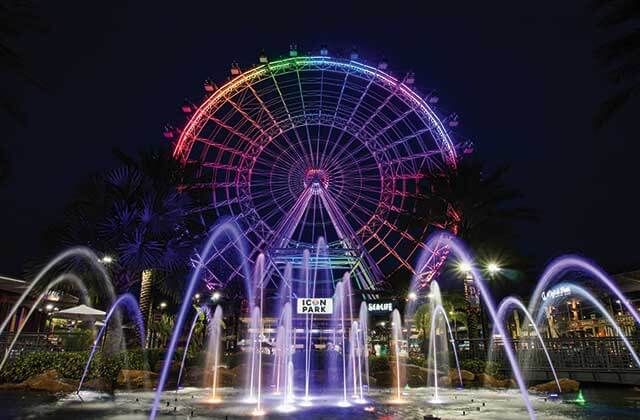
(145, 297)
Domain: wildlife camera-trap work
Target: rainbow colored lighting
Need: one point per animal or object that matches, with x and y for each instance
(300, 63)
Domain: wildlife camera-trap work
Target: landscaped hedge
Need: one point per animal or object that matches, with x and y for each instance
(378, 364)
(478, 366)
(71, 364)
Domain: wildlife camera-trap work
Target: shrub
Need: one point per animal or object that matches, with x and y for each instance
(378, 364)
(71, 364)
(478, 366)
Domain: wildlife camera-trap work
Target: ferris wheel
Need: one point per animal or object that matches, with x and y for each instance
(314, 146)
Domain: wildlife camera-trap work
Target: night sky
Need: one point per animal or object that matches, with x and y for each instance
(521, 75)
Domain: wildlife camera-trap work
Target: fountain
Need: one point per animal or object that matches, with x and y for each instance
(215, 337)
(347, 340)
(340, 299)
(439, 310)
(457, 248)
(257, 324)
(396, 338)
(201, 310)
(85, 254)
(284, 351)
(356, 349)
(364, 328)
(131, 304)
(595, 302)
(568, 263)
(438, 344)
(511, 301)
(254, 333)
(224, 227)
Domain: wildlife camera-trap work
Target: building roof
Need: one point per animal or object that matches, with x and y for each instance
(9, 284)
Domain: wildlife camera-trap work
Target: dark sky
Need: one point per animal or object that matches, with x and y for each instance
(520, 74)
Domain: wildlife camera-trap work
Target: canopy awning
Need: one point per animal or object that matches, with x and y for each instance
(83, 312)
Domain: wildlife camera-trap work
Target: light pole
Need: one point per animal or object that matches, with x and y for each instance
(472, 295)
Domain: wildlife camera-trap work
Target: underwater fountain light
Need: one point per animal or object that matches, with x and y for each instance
(580, 398)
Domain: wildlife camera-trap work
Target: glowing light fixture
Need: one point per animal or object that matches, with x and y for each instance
(464, 267)
(493, 268)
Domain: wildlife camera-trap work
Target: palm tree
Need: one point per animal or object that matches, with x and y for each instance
(137, 215)
(618, 54)
(477, 206)
(474, 204)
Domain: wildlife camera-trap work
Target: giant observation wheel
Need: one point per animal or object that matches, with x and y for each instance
(309, 147)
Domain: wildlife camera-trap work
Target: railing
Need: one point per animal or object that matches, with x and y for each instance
(608, 353)
(30, 342)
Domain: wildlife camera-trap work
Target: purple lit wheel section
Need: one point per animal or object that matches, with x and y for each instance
(351, 177)
(362, 136)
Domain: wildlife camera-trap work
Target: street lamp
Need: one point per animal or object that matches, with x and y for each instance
(163, 305)
(493, 268)
(464, 267)
(215, 296)
(106, 259)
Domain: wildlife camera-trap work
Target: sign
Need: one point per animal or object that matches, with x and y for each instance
(315, 306)
(556, 293)
(380, 306)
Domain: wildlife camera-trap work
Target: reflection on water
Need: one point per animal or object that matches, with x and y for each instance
(601, 402)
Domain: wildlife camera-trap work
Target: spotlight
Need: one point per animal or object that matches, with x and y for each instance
(413, 296)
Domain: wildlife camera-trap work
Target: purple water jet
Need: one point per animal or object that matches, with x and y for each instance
(456, 246)
(568, 263)
(225, 226)
(86, 254)
(131, 305)
(203, 309)
(215, 331)
(67, 277)
(511, 301)
(595, 302)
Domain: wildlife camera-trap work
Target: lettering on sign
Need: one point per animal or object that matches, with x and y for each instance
(556, 293)
(315, 305)
(380, 306)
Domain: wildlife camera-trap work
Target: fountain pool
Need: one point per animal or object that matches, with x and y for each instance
(610, 403)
